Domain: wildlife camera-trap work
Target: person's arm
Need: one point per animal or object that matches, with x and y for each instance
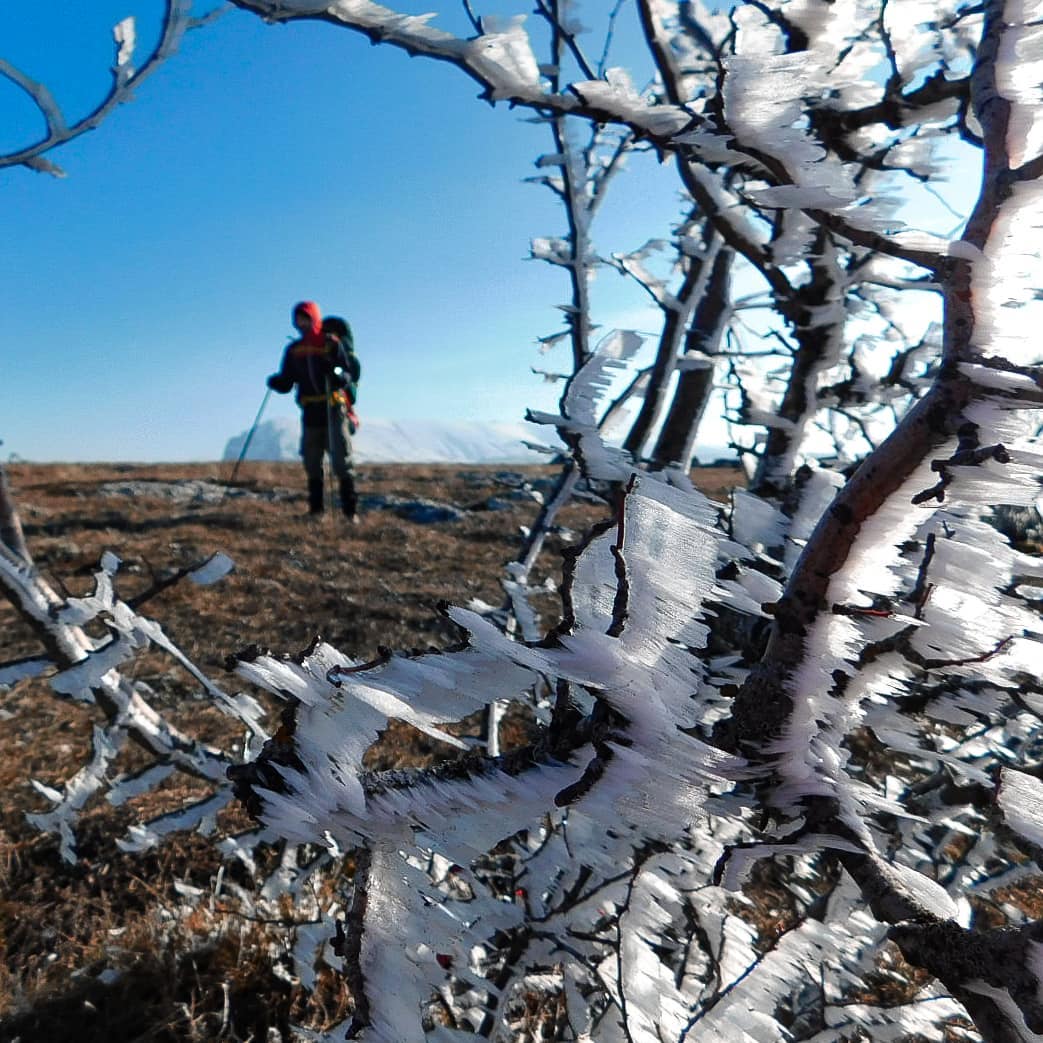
(282, 381)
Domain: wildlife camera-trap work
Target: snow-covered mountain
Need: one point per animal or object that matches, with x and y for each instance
(409, 441)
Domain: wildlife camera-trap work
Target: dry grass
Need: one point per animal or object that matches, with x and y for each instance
(210, 974)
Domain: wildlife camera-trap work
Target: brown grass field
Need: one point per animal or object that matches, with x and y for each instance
(85, 953)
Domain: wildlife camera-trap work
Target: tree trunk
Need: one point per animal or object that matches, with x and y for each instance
(678, 433)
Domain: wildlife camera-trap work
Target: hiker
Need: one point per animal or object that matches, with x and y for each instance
(324, 367)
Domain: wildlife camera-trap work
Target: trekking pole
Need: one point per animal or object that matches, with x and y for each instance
(329, 443)
(249, 435)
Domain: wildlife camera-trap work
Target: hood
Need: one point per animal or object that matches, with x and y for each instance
(311, 309)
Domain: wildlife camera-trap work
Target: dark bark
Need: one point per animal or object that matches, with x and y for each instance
(665, 362)
(677, 435)
(11, 535)
(798, 400)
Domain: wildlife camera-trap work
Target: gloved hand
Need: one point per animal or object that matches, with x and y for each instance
(271, 381)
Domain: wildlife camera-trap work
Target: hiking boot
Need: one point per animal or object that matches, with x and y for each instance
(314, 496)
(349, 500)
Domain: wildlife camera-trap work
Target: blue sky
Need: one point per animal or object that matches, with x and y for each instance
(145, 297)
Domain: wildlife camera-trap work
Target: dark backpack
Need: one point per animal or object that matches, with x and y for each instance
(335, 326)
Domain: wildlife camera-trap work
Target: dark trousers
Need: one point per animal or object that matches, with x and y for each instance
(332, 438)
(316, 440)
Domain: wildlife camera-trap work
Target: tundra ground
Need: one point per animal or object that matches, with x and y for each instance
(91, 951)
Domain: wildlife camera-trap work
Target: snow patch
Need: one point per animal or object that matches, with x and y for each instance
(405, 441)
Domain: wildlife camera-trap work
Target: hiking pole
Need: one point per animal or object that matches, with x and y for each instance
(329, 442)
(250, 434)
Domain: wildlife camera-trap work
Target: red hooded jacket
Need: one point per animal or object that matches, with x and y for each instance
(313, 338)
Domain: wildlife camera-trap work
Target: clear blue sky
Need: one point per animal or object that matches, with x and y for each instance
(145, 297)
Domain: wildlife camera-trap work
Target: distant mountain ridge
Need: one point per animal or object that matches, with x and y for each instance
(409, 441)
